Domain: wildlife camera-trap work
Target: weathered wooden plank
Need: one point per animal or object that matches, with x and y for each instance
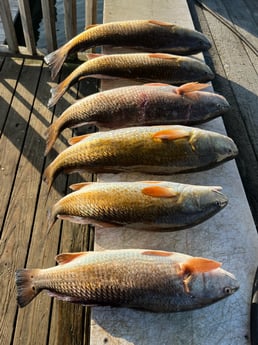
(90, 12)
(70, 19)
(17, 224)
(73, 321)
(49, 15)
(9, 76)
(43, 246)
(24, 7)
(6, 17)
(23, 52)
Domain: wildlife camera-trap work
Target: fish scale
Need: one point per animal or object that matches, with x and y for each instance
(138, 278)
(155, 205)
(153, 149)
(166, 68)
(145, 35)
(147, 104)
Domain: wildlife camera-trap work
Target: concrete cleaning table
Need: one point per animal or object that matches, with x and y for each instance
(229, 237)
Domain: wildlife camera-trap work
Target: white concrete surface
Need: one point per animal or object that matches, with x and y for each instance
(229, 237)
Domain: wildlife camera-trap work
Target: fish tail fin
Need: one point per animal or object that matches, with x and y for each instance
(58, 91)
(48, 177)
(51, 218)
(51, 136)
(56, 59)
(26, 290)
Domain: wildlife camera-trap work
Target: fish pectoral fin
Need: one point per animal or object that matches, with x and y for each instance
(160, 23)
(87, 27)
(91, 56)
(78, 186)
(199, 265)
(74, 219)
(156, 84)
(190, 87)
(77, 139)
(64, 258)
(171, 134)
(160, 192)
(161, 56)
(157, 253)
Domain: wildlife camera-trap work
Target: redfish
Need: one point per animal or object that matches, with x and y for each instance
(149, 104)
(147, 35)
(167, 68)
(153, 149)
(149, 205)
(152, 280)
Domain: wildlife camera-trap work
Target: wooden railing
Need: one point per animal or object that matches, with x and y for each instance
(48, 11)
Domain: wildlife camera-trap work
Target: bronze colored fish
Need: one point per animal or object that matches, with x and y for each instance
(149, 104)
(152, 280)
(149, 205)
(159, 67)
(147, 35)
(153, 149)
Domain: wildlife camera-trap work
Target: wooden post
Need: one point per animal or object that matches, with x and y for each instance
(9, 30)
(90, 12)
(27, 27)
(70, 19)
(48, 11)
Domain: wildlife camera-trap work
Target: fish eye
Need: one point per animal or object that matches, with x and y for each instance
(228, 290)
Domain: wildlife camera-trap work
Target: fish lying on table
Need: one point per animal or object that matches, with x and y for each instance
(149, 205)
(152, 280)
(140, 105)
(158, 67)
(153, 149)
(148, 35)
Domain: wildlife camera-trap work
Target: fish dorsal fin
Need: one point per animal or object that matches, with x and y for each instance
(87, 27)
(151, 182)
(199, 265)
(156, 84)
(156, 253)
(190, 87)
(159, 192)
(75, 140)
(160, 23)
(64, 258)
(160, 56)
(171, 134)
(78, 186)
(91, 56)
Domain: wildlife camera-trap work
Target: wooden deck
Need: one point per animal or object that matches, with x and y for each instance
(24, 92)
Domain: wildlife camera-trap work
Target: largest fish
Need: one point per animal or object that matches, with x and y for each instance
(140, 105)
(151, 280)
(159, 67)
(154, 150)
(150, 205)
(148, 35)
